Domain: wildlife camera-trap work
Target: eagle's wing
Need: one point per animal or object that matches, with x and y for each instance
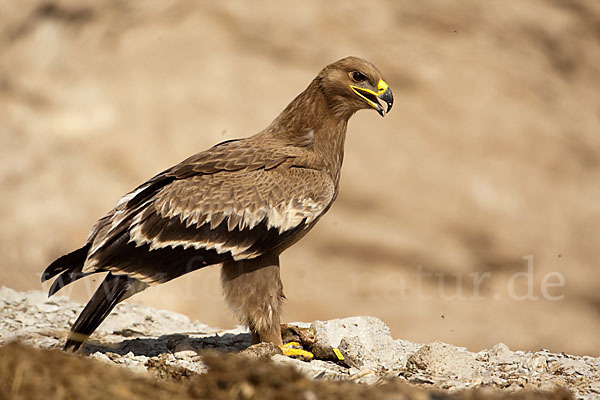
(237, 200)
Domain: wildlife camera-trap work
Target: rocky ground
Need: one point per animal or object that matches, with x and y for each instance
(168, 345)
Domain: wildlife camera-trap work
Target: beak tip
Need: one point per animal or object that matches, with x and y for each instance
(388, 97)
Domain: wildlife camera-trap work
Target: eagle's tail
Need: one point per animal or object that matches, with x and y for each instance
(69, 267)
(113, 290)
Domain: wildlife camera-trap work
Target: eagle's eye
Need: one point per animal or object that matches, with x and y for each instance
(358, 76)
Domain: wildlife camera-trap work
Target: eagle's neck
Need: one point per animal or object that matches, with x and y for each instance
(319, 125)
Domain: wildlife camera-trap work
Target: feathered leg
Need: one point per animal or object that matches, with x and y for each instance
(254, 291)
(112, 291)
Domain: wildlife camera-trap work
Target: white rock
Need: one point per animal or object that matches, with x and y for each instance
(48, 307)
(367, 338)
(185, 354)
(536, 363)
(101, 357)
(501, 354)
(11, 296)
(316, 369)
(444, 360)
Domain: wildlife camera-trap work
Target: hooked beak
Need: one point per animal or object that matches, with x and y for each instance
(383, 92)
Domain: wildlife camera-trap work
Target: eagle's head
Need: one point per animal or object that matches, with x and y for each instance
(353, 84)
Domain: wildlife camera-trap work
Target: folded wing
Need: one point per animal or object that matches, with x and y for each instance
(234, 201)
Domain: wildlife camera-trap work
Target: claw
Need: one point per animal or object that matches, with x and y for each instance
(294, 350)
(338, 354)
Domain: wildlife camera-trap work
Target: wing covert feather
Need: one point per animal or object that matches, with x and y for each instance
(237, 213)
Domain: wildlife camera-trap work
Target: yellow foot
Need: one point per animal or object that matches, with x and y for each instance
(294, 350)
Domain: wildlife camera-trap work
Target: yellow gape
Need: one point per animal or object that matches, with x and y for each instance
(370, 96)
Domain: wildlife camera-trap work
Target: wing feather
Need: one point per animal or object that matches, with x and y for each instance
(237, 200)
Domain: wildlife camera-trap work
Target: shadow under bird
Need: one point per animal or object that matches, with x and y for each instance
(238, 204)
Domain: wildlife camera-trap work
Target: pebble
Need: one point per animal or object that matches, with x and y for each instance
(101, 357)
(185, 354)
(48, 307)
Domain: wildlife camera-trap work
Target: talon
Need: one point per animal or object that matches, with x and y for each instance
(294, 350)
(338, 354)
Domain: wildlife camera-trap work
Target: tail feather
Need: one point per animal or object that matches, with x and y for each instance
(113, 289)
(65, 278)
(71, 261)
(69, 267)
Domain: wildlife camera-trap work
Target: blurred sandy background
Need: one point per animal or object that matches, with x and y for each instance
(491, 153)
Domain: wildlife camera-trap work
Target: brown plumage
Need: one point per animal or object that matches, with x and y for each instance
(239, 204)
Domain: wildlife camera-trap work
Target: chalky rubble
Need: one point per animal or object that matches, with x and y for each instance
(132, 335)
